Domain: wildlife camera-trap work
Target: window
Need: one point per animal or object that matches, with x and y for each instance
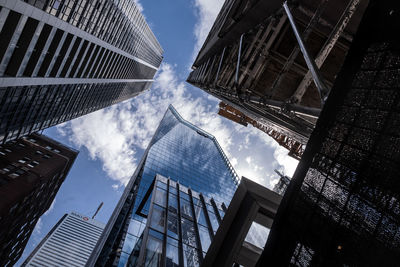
(188, 232)
(172, 227)
(160, 197)
(153, 250)
(186, 209)
(172, 253)
(204, 238)
(158, 218)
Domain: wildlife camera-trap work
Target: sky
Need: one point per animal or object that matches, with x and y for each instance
(111, 141)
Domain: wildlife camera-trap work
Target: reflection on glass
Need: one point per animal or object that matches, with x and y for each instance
(172, 203)
(188, 232)
(190, 256)
(214, 221)
(200, 217)
(153, 252)
(123, 259)
(257, 235)
(172, 255)
(162, 185)
(129, 243)
(172, 225)
(158, 218)
(161, 197)
(204, 238)
(185, 208)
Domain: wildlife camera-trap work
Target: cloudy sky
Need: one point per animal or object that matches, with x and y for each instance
(112, 141)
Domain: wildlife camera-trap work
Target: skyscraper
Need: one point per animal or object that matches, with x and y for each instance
(32, 170)
(180, 226)
(69, 242)
(63, 59)
(251, 60)
(342, 207)
(178, 150)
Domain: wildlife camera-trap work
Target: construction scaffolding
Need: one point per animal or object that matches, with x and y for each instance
(295, 148)
(251, 60)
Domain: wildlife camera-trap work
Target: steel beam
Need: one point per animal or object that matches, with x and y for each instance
(219, 66)
(319, 82)
(293, 55)
(324, 52)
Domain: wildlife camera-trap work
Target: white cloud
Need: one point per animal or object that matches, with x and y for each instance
(115, 186)
(113, 135)
(38, 227)
(50, 208)
(139, 5)
(206, 12)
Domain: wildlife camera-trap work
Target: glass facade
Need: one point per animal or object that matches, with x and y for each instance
(188, 156)
(60, 59)
(177, 232)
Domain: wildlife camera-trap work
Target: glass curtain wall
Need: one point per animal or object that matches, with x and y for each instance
(192, 157)
(179, 228)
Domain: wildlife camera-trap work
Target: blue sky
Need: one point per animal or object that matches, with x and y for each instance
(112, 141)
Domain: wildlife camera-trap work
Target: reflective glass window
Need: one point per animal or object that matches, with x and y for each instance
(158, 218)
(200, 217)
(160, 197)
(129, 243)
(204, 238)
(153, 252)
(186, 209)
(188, 232)
(190, 256)
(214, 221)
(172, 203)
(161, 185)
(172, 253)
(172, 229)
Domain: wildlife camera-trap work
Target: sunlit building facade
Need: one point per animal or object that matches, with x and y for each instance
(182, 152)
(69, 242)
(63, 59)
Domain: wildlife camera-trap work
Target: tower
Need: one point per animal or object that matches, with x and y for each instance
(32, 170)
(178, 150)
(69, 242)
(63, 59)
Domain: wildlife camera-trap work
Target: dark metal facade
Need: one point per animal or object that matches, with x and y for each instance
(184, 153)
(60, 59)
(32, 170)
(251, 59)
(342, 207)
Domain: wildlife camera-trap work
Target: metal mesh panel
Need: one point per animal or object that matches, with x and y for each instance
(347, 187)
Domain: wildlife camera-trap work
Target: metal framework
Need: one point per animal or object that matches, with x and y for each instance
(261, 74)
(295, 148)
(346, 189)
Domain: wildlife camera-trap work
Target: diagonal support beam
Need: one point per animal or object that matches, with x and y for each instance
(325, 51)
(319, 82)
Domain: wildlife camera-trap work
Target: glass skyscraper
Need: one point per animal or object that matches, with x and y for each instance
(179, 229)
(61, 59)
(185, 154)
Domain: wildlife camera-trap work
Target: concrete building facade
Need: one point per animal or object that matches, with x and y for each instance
(32, 170)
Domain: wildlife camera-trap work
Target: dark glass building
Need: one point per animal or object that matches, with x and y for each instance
(180, 227)
(32, 170)
(342, 207)
(182, 152)
(63, 59)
